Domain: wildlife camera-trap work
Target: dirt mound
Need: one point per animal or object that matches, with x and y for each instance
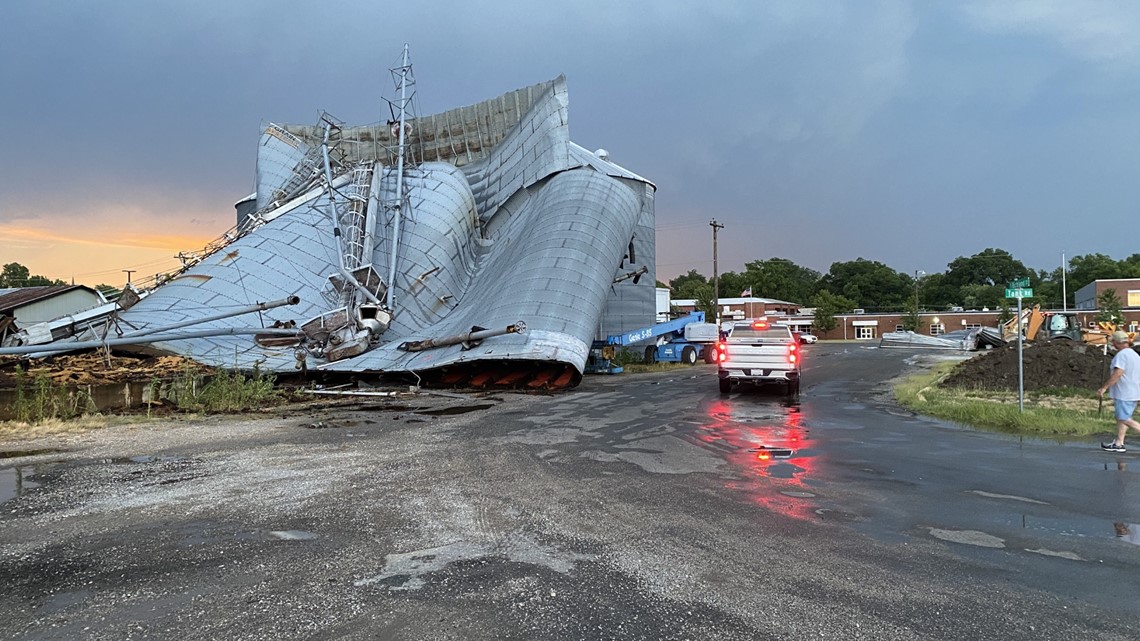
(1053, 364)
(93, 369)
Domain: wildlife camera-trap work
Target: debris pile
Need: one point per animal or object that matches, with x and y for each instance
(1053, 364)
(93, 368)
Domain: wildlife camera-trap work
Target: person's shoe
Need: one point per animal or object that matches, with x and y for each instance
(1112, 447)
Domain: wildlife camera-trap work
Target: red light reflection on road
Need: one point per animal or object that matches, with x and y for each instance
(749, 435)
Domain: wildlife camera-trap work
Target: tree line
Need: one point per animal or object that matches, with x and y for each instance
(969, 282)
(15, 275)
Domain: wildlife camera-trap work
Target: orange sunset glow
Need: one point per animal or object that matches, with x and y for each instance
(98, 246)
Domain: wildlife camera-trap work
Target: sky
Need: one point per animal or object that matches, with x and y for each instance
(905, 132)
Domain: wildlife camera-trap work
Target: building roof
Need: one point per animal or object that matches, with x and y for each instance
(11, 299)
(689, 302)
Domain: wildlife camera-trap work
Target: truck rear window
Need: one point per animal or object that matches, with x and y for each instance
(748, 333)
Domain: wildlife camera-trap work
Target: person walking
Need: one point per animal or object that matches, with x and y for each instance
(1123, 385)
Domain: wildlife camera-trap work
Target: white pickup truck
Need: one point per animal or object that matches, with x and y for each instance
(758, 352)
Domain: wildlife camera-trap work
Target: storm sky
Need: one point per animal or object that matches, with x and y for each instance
(904, 132)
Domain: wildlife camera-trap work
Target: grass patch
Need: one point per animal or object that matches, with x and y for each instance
(20, 430)
(642, 368)
(1070, 412)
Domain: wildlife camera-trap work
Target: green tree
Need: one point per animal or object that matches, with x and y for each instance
(731, 284)
(935, 293)
(1130, 267)
(910, 319)
(1005, 312)
(870, 284)
(781, 279)
(1089, 267)
(827, 305)
(994, 267)
(703, 294)
(686, 285)
(1046, 288)
(16, 275)
(1108, 304)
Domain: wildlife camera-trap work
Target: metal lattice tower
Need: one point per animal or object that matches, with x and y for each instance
(401, 111)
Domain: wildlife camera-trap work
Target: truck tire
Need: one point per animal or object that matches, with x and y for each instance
(689, 355)
(651, 354)
(725, 386)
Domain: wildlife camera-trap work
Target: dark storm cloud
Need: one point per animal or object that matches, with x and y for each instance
(907, 133)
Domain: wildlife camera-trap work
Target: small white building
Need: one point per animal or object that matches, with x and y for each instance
(30, 305)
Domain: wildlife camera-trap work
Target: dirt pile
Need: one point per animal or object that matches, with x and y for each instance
(93, 369)
(1053, 364)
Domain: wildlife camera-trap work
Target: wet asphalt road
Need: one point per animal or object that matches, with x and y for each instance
(634, 507)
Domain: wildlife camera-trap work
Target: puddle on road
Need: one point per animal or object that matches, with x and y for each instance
(292, 535)
(15, 482)
(765, 443)
(145, 460)
(22, 453)
(766, 452)
(455, 410)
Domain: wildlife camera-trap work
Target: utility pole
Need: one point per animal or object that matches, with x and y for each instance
(716, 281)
(917, 273)
(129, 272)
(1064, 289)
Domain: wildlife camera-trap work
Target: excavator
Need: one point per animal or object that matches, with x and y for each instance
(1047, 326)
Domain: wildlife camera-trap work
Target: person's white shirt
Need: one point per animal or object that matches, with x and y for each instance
(1128, 387)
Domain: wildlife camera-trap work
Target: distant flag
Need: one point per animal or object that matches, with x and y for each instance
(746, 293)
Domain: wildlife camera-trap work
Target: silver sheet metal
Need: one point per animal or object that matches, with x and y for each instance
(531, 227)
(966, 340)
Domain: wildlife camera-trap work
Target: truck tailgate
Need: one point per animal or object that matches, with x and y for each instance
(763, 356)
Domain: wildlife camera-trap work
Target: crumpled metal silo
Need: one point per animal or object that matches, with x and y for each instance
(495, 216)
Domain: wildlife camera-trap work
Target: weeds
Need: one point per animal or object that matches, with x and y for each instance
(225, 391)
(39, 399)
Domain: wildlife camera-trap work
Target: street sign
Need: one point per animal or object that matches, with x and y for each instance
(1020, 282)
(1019, 292)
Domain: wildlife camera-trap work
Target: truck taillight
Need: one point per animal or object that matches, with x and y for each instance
(721, 352)
(792, 358)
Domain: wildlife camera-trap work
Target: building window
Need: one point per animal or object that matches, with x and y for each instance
(969, 326)
(937, 329)
(864, 332)
(1133, 327)
(898, 328)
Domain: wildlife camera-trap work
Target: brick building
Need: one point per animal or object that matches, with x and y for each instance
(1127, 290)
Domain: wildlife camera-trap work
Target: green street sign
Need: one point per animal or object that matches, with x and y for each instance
(1020, 282)
(1019, 292)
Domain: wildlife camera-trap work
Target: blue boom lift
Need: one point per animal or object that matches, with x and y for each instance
(669, 345)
